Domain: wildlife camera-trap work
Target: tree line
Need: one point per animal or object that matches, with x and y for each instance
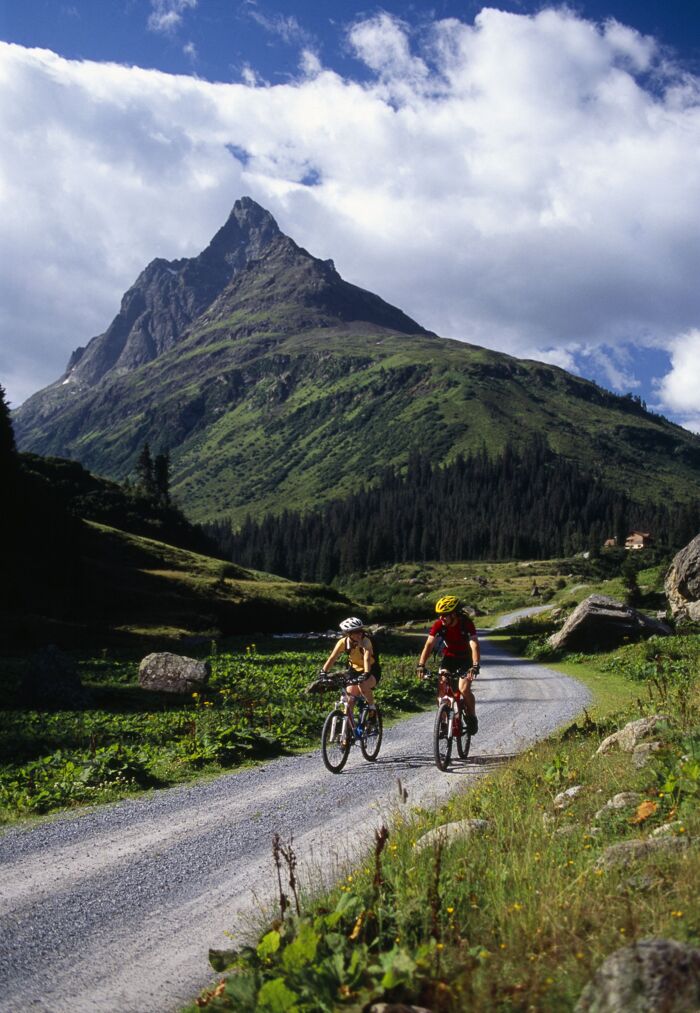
(530, 504)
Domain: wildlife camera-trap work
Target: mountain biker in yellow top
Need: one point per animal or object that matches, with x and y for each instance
(358, 647)
(461, 655)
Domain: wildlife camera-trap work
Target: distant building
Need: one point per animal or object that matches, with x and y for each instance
(610, 543)
(638, 540)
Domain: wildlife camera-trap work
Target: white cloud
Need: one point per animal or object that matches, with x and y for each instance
(167, 14)
(517, 182)
(679, 390)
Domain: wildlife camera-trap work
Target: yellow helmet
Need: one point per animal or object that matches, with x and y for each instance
(446, 605)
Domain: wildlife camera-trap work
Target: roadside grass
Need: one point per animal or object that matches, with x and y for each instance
(519, 914)
(128, 740)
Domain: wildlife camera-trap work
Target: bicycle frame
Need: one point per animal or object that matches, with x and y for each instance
(351, 729)
(453, 697)
(450, 721)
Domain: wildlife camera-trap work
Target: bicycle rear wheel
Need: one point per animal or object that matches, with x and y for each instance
(463, 737)
(442, 736)
(371, 740)
(335, 741)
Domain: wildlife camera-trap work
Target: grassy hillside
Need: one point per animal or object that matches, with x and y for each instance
(127, 589)
(273, 420)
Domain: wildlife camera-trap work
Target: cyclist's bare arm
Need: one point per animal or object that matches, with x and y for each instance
(425, 654)
(334, 655)
(476, 652)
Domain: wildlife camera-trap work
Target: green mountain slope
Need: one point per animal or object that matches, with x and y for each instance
(292, 387)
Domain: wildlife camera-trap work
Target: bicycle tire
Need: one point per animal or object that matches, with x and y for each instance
(442, 736)
(463, 739)
(334, 752)
(371, 740)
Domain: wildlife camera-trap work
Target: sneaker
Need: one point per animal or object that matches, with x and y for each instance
(472, 724)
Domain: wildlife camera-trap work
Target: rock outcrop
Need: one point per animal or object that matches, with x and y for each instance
(682, 583)
(627, 738)
(653, 975)
(173, 673)
(601, 623)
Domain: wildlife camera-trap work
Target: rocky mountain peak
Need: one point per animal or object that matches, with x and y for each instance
(247, 233)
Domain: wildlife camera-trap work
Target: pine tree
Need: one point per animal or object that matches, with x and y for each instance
(161, 477)
(145, 480)
(8, 449)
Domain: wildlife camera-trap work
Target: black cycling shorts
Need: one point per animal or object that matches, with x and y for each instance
(454, 666)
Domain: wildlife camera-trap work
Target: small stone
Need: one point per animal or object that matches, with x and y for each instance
(564, 799)
(450, 831)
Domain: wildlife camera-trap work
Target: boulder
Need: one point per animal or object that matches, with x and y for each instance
(682, 583)
(173, 673)
(652, 975)
(600, 622)
(626, 738)
(51, 682)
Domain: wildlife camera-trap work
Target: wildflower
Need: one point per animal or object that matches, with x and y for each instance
(450, 910)
(676, 914)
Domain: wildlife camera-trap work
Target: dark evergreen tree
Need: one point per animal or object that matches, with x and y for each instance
(145, 477)
(161, 477)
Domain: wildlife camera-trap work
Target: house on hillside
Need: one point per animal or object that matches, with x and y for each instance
(610, 543)
(638, 540)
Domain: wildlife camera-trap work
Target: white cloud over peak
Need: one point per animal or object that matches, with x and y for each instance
(530, 183)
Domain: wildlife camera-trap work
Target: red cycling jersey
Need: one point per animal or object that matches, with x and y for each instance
(456, 637)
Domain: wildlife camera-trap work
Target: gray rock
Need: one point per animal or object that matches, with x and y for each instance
(627, 738)
(173, 673)
(51, 682)
(653, 976)
(630, 851)
(450, 831)
(665, 829)
(643, 752)
(623, 800)
(564, 799)
(602, 622)
(682, 583)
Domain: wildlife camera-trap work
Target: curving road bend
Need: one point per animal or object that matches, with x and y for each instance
(113, 910)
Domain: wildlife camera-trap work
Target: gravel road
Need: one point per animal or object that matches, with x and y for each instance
(114, 910)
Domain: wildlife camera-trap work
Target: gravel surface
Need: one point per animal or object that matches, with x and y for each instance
(113, 910)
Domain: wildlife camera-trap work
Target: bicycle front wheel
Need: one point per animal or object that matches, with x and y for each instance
(371, 740)
(463, 737)
(335, 741)
(442, 736)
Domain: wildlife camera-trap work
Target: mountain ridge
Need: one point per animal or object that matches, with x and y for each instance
(273, 382)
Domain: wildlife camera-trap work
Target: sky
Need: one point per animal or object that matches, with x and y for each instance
(523, 176)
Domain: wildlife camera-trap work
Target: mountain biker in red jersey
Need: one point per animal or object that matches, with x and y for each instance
(461, 653)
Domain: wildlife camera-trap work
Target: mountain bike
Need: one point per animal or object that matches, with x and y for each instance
(342, 729)
(450, 722)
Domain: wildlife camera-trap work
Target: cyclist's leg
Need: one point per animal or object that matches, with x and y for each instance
(465, 688)
(366, 688)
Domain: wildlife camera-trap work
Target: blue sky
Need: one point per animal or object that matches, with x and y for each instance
(521, 176)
